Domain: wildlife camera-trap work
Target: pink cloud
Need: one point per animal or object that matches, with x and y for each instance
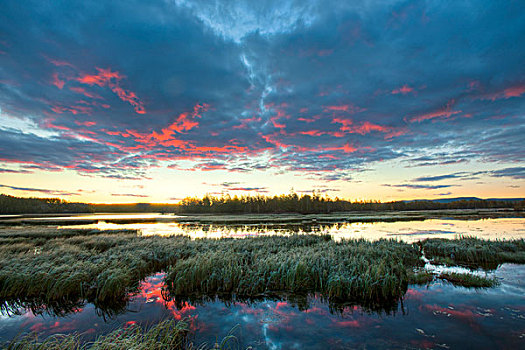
(81, 90)
(348, 108)
(405, 89)
(442, 113)
(513, 91)
(85, 123)
(59, 63)
(107, 77)
(57, 81)
(246, 121)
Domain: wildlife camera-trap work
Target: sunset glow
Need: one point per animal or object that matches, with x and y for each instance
(133, 101)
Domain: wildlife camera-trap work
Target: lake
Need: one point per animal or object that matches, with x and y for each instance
(406, 226)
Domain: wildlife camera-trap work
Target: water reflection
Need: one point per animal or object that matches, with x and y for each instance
(408, 231)
(434, 316)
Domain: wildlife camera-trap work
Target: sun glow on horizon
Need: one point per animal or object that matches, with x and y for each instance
(174, 99)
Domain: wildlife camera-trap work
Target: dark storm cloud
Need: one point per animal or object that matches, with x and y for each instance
(318, 87)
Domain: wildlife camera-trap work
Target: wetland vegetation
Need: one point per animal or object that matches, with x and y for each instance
(57, 272)
(468, 280)
(474, 252)
(43, 267)
(168, 334)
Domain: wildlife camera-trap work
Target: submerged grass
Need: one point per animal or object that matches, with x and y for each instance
(468, 280)
(167, 334)
(474, 252)
(421, 277)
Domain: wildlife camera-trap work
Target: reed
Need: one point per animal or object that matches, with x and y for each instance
(46, 268)
(474, 252)
(369, 272)
(102, 269)
(168, 334)
(469, 280)
(421, 277)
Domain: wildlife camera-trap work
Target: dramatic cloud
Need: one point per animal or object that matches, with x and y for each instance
(325, 89)
(517, 173)
(14, 171)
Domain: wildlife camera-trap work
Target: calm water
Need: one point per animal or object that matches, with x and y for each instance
(437, 316)
(409, 231)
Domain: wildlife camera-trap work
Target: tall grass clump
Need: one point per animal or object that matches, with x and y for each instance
(102, 268)
(370, 272)
(469, 280)
(421, 277)
(474, 252)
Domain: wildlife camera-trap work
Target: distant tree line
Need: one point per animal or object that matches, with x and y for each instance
(315, 203)
(257, 204)
(16, 205)
(135, 208)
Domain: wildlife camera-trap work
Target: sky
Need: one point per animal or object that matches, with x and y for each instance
(153, 101)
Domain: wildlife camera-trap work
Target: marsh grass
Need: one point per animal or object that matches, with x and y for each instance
(369, 272)
(168, 334)
(469, 280)
(103, 268)
(421, 277)
(56, 308)
(474, 252)
(56, 271)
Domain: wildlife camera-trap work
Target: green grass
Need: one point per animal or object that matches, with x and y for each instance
(421, 277)
(355, 270)
(474, 252)
(57, 271)
(103, 268)
(165, 335)
(48, 268)
(469, 280)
